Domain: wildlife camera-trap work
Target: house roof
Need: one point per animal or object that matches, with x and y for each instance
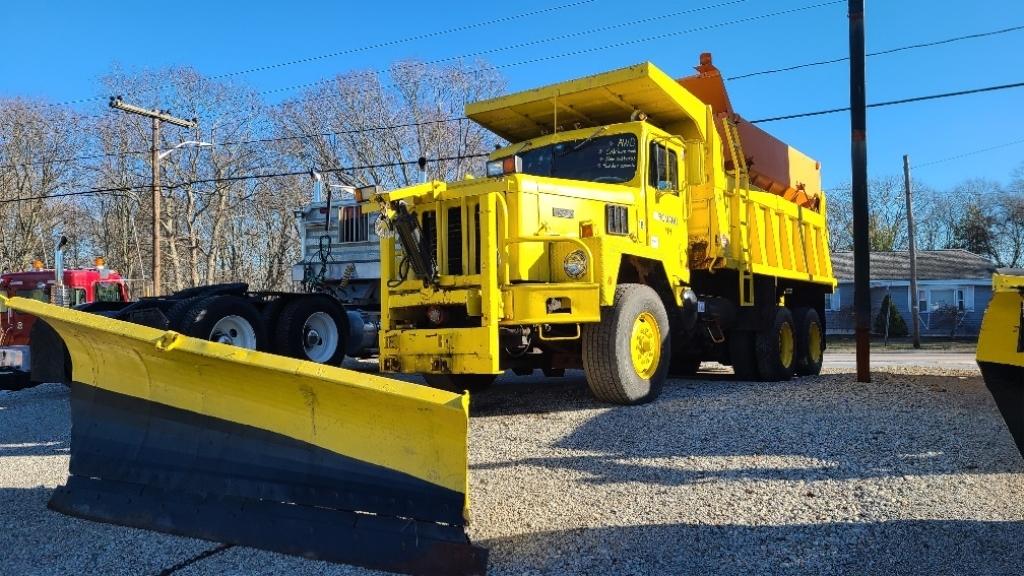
(953, 264)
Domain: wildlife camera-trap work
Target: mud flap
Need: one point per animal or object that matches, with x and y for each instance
(1001, 350)
(201, 439)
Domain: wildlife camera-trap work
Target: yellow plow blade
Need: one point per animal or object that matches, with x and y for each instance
(197, 438)
(1001, 349)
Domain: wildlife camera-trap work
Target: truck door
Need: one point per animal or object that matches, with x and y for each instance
(666, 227)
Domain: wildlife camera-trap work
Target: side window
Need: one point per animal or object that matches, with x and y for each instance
(108, 292)
(77, 297)
(663, 168)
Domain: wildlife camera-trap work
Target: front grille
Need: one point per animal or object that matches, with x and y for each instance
(429, 224)
(455, 240)
(617, 220)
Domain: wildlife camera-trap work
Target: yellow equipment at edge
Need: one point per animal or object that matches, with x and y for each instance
(161, 421)
(1001, 349)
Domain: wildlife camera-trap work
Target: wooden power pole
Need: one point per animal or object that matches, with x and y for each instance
(157, 116)
(915, 312)
(859, 162)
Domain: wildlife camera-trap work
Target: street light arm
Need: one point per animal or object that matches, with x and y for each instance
(195, 143)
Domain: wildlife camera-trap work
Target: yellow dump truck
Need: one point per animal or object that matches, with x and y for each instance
(1001, 349)
(634, 227)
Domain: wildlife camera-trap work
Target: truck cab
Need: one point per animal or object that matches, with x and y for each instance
(79, 286)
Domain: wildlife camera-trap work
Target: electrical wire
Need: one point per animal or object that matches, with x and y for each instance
(507, 65)
(385, 44)
(966, 154)
(99, 191)
(891, 102)
(415, 38)
(880, 52)
(704, 28)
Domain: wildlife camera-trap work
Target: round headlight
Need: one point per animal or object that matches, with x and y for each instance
(575, 264)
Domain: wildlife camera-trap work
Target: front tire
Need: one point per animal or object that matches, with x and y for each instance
(626, 355)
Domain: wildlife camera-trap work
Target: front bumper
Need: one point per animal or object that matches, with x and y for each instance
(15, 358)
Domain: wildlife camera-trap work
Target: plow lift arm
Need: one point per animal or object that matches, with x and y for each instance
(202, 439)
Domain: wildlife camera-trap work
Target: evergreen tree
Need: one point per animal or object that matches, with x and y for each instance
(897, 326)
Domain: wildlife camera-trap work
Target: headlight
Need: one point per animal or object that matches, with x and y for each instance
(575, 264)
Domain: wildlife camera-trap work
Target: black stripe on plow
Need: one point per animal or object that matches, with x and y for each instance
(147, 465)
(1006, 383)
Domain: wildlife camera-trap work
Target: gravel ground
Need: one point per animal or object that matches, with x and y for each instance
(912, 474)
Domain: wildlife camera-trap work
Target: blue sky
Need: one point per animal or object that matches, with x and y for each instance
(55, 50)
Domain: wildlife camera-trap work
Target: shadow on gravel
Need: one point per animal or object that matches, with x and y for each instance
(893, 547)
(834, 427)
(35, 421)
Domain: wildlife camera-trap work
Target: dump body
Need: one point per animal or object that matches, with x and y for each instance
(623, 172)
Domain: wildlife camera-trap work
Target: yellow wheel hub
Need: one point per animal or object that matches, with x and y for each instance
(645, 345)
(814, 343)
(786, 345)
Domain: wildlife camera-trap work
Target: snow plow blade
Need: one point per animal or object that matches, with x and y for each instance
(1001, 349)
(196, 438)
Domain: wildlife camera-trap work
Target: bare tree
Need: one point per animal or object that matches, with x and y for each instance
(36, 143)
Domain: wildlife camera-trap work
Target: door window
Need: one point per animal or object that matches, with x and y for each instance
(663, 169)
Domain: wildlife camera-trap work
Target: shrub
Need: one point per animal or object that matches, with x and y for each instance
(897, 326)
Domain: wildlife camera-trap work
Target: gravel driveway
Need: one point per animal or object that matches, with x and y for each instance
(912, 474)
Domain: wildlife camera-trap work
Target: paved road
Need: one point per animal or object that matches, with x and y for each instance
(932, 359)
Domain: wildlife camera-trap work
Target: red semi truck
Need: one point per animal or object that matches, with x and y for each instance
(76, 287)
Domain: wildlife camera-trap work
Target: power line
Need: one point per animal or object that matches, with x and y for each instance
(507, 65)
(424, 36)
(892, 102)
(242, 142)
(880, 53)
(971, 153)
(99, 191)
(703, 28)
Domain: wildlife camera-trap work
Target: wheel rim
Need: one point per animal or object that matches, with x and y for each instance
(814, 342)
(234, 330)
(645, 345)
(320, 337)
(786, 344)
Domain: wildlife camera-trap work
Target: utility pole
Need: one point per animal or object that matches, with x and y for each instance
(859, 162)
(157, 116)
(912, 242)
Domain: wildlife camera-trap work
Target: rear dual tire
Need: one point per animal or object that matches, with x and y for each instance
(311, 327)
(792, 344)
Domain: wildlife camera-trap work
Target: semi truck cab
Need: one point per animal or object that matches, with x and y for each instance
(79, 286)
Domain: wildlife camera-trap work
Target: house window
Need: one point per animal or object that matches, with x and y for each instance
(959, 297)
(354, 225)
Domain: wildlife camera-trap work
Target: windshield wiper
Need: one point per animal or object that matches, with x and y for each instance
(589, 138)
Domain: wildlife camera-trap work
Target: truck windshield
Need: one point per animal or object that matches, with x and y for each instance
(609, 159)
(41, 294)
